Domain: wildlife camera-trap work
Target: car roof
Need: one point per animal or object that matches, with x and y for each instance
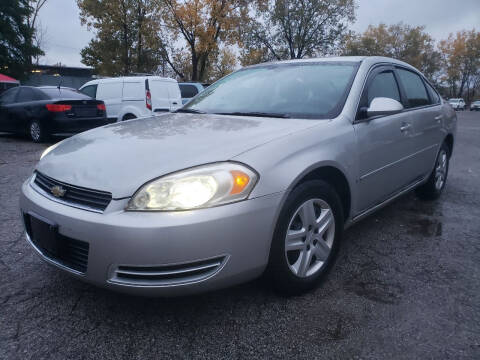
(370, 60)
(54, 87)
(129, 79)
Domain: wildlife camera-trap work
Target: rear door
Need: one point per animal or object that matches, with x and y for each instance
(111, 94)
(174, 95)
(24, 109)
(134, 95)
(160, 95)
(383, 143)
(424, 108)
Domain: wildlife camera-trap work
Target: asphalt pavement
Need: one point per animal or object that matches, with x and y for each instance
(406, 285)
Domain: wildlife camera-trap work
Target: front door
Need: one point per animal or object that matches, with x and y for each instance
(383, 143)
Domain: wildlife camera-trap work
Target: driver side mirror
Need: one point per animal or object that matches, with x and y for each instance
(384, 106)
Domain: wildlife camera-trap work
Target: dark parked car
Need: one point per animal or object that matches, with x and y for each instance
(43, 111)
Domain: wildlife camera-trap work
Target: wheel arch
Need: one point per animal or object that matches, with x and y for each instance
(334, 177)
(449, 141)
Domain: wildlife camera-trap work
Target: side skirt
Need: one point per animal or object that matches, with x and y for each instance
(374, 208)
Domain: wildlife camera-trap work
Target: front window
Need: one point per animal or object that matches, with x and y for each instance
(308, 90)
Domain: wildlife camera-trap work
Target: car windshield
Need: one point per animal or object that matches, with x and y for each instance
(298, 90)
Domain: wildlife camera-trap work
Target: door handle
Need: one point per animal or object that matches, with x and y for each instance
(405, 127)
(438, 118)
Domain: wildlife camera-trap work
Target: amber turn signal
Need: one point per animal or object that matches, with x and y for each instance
(240, 181)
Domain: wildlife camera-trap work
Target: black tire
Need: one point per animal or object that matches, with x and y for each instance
(37, 132)
(279, 268)
(431, 190)
(128, 117)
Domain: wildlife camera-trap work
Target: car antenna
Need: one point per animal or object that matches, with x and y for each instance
(60, 83)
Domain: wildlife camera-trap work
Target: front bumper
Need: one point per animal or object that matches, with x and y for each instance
(239, 234)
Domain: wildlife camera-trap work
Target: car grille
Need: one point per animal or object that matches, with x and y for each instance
(72, 253)
(74, 196)
(168, 274)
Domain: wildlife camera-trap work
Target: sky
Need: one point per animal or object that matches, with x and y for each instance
(65, 36)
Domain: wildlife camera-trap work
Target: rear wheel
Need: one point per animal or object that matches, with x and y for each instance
(306, 238)
(37, 131)
(128, 117)
(435, 184)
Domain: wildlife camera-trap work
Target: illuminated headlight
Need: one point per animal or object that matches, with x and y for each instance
(199, 187)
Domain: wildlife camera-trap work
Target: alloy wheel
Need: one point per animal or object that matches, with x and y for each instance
(35, 131)
(310, 237)
(441, 169)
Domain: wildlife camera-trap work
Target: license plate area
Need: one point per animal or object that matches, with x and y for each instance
(64, 250)
(44, 234)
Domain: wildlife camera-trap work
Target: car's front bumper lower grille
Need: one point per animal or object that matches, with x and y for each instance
(75, 196)
(168, 275)
(70, 253)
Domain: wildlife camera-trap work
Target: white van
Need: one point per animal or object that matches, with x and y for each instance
(136, 96)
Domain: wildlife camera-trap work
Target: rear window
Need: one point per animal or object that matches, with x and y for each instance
(433, 94)
(30, 94)
(55, 93)
(188, 91)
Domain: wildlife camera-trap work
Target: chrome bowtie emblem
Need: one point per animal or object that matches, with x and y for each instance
(58, 191)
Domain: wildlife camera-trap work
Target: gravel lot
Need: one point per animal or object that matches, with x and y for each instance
(406, 285)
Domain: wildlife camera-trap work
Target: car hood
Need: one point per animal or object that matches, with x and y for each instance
(121, 157)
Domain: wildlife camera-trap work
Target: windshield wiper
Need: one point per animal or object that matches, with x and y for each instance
(256, 113)
(190, 111)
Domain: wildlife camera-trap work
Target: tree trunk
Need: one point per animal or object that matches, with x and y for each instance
(194, 66)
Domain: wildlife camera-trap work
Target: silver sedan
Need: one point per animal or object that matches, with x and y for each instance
(259, 174)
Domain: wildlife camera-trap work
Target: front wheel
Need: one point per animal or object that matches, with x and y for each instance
(435, 184)
(36, 131)
(306, 237)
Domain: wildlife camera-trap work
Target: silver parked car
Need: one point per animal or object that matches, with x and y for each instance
(457, 104)
(475, 106)
(261, 172)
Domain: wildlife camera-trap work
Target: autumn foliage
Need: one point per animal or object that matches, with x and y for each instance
(203, 40)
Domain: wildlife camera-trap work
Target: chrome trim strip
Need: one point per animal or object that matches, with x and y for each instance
(397, 161)
(186, 270)
(57, 200)
(115, 281)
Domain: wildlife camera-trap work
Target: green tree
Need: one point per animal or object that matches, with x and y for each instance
(16, 38)
(403, 42)
(294, 29)
(194, 31)
(126, 36)
(461, 59)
